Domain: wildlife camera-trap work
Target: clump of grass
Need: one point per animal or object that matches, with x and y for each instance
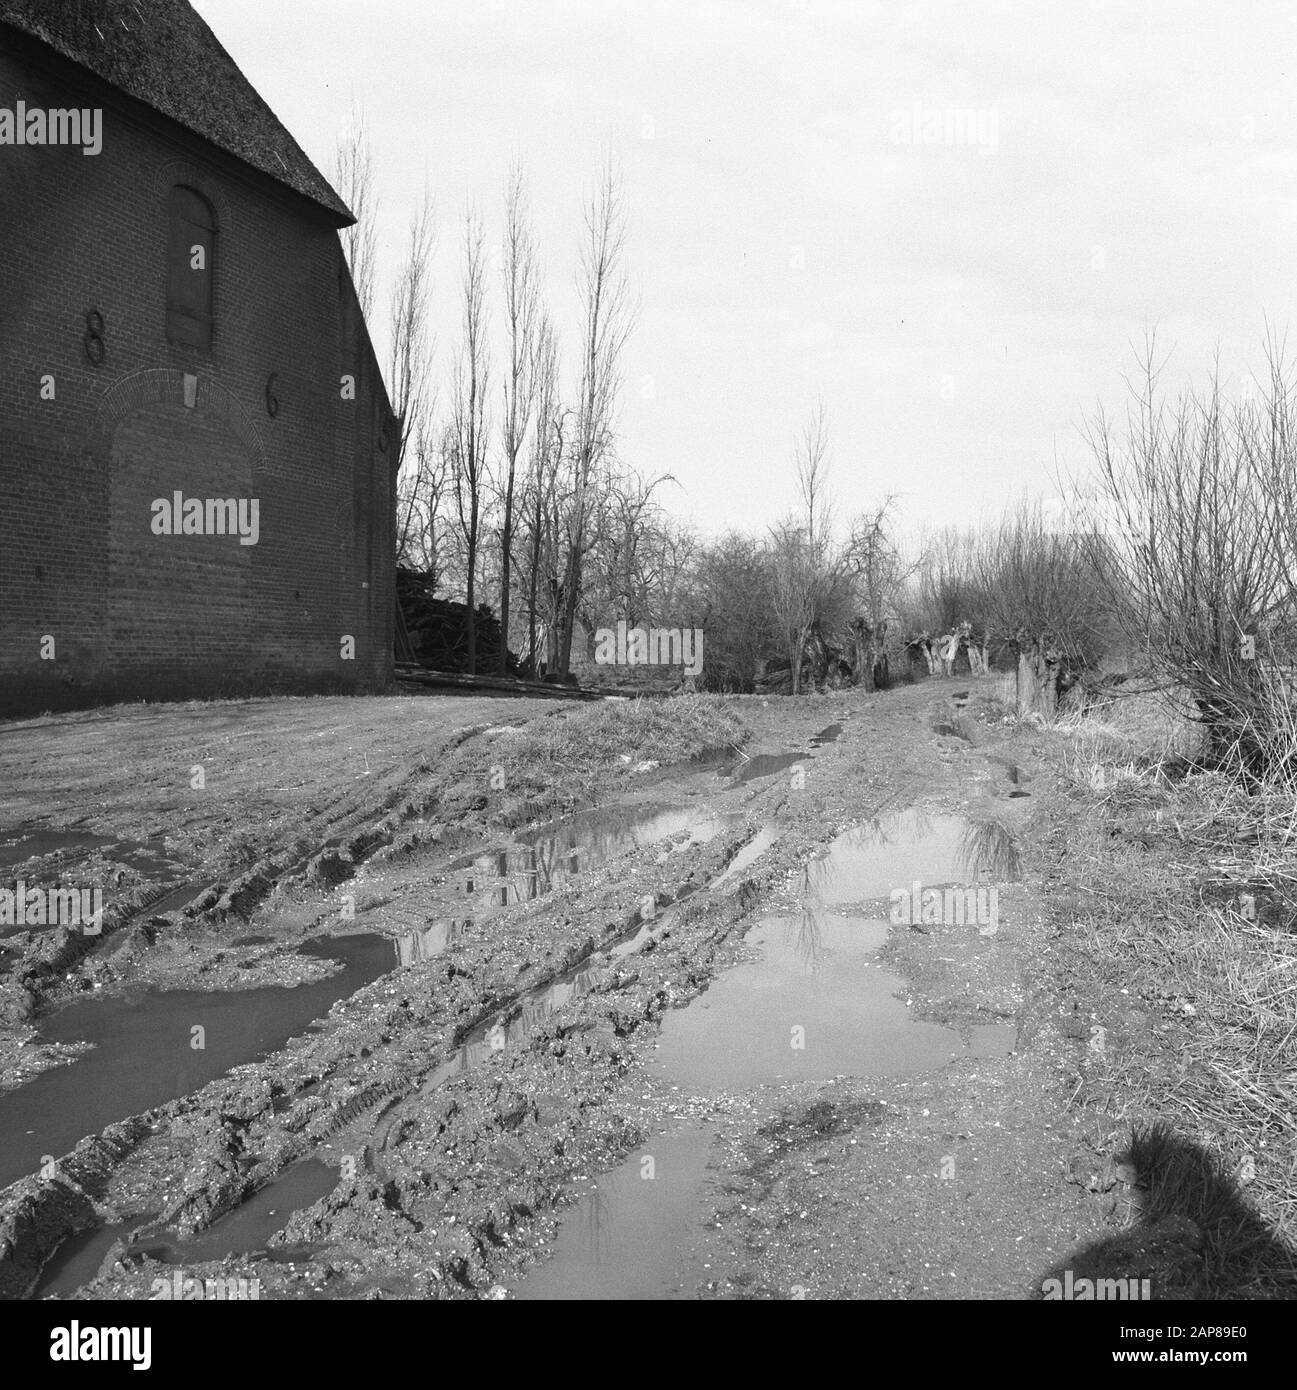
(987, 846)
(1135, 736)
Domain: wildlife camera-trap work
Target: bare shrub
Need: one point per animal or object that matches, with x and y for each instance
(1193, 537)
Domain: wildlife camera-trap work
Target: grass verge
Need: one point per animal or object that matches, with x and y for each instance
(1171, 903)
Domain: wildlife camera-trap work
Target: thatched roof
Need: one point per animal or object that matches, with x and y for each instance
(163, 54)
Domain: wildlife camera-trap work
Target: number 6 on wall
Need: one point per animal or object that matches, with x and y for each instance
(94, 338)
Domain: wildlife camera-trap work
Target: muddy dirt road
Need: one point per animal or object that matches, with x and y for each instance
(767, 1024)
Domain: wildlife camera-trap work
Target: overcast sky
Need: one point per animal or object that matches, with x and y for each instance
(953, 220)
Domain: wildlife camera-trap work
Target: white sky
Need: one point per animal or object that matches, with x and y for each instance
(960, 311)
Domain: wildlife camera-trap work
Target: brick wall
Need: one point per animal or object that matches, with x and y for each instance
(133, 614)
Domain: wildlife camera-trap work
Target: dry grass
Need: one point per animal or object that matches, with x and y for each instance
(1157, 896)
(1134, 734)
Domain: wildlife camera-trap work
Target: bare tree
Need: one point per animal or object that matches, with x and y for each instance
(607, 316)
(630, 563)
(418, 486)
(1193, 536)
(521, 307)
(880, 571)
(353, 166)
(467, 433)
(542, 501)
(944, 602)
(1043, 596)
(808, 574)
(811, 464)
(792, 592)
(421, 495)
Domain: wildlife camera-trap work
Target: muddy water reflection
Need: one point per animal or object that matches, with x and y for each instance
(766, 765)
(22, 844)
(143, 1054)
(426, 942)
(814, 1006)
(749, 854)
(866, 864)
(624, 1238)
(550, 857)
(245, 1230)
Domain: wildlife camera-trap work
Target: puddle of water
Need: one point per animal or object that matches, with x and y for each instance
(248, 1227)
(78, 1258)
(602, 833)
(766, 765)
(867, 863)
(150, 857)
(251, 1224)
(181, 897)
(814, 1005)
(816, 974)
(749, 854)
(17, 847)
(52, 855)
(829, 735)
(551, 856)
(243, 1231)
(431, 940)
(623, 1239)
(143, 1055)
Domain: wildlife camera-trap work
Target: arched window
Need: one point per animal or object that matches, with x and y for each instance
(191, 246)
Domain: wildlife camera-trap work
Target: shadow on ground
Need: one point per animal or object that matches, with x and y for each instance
(1194, 1235)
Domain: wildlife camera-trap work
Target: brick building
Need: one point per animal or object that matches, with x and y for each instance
(178, 333)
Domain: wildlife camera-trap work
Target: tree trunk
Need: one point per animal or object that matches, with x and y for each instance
(857, 653)
(472, 613)
(1037, 683)
(506, 536)
(795, 662)
(551, 631)
(571, 596)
